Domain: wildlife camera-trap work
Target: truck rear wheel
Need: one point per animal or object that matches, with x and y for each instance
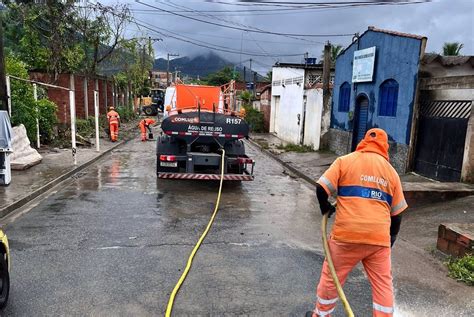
(148, 111)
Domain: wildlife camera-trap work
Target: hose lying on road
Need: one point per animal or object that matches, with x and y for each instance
(340, 292)
(169, 308)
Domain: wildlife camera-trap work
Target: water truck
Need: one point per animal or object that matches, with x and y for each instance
(197, 124)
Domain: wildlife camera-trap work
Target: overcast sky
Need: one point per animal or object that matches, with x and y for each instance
(441, 21)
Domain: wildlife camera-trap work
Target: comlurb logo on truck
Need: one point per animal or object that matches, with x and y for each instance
(185, 120)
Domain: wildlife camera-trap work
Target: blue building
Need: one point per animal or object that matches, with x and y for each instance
(376, 86)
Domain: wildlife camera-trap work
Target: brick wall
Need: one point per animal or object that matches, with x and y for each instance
(266, 109)
(61, 97)
(455, 239)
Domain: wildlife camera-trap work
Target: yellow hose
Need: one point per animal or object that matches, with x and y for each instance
(339, 289)
(169, 308)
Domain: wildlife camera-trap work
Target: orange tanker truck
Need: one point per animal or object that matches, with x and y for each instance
(197, 125)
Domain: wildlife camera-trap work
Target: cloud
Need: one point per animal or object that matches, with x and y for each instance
(441, 21)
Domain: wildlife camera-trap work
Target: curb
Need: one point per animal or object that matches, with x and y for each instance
(26, 199)
(286, 165)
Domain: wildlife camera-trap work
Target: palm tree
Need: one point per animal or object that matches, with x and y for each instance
(335, 51)
(452, 49)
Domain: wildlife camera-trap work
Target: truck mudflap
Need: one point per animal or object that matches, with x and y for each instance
(227, 177)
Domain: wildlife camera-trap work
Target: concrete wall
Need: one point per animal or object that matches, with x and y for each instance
(436, 69)
(448, 88)
(312, 128)
(284, 120)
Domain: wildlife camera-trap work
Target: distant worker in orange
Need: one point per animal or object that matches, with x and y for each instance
(114, 122)
(144, 125)
(369, 202)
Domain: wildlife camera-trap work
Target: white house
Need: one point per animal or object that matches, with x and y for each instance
(297, 103)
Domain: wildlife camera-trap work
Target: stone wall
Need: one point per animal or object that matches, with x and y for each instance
(340, 143)
(398, 154)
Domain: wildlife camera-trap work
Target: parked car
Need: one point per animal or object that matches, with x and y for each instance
(4, 269)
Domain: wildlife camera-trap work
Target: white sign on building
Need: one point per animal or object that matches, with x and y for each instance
(363, 66)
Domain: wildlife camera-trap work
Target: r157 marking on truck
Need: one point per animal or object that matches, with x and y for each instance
(233, 121)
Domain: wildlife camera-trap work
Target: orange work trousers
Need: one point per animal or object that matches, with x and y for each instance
(113, 131)
(377, 265)
(143, 130)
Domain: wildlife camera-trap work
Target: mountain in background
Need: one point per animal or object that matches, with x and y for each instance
(201, 65)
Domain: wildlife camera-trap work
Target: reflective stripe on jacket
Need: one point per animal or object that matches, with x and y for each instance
(113, 116)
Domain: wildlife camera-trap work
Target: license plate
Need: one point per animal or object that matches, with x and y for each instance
(169, 164)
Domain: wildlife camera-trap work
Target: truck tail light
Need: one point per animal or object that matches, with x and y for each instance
(168, 158)
(244, 160)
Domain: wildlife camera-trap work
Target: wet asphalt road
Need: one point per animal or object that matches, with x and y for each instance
(113, 242)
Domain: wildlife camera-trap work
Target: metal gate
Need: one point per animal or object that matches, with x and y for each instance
(441, 137)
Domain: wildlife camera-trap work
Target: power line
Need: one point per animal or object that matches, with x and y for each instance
(292, 4)
(205, 45)
(235, 23)
(243, 29)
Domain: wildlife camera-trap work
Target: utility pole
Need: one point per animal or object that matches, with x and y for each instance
(3, 79)
(254, 84)
(250, 65)
(168, 69)
(245, 73)
(326, 114)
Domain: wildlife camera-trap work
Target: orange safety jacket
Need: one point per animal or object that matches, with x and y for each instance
(368, 192)
(113, 116)
(146, 122)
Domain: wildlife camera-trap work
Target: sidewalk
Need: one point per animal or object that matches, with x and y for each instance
(311, 165)
(56, 166)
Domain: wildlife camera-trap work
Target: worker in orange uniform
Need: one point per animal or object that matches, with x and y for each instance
(369, 202)
(114, 122)
(144, 125)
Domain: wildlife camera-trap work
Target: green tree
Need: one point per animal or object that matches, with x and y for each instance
(137, 61)
(246, 97)
(334, 53)
(60, 36)
(268, 77)
(222, 76)
(101, 30)
(25, 109)
(42, 36)
(252, 116)
(452, 49)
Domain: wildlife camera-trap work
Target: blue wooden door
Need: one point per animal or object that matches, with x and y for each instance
(362, 120)
(362, 116)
